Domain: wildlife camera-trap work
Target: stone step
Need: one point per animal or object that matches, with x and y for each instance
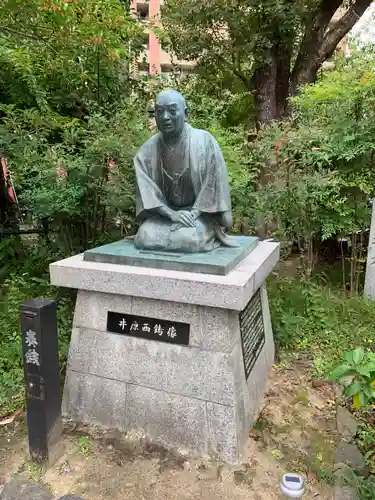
(25, 490)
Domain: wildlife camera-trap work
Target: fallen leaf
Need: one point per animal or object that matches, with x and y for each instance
(311, 477)
(356, 401)
(7, 420)
(11, 418)
(318, 383)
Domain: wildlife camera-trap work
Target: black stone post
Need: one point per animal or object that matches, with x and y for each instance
(42, 378)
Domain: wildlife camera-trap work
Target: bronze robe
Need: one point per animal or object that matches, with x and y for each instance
(209, 181)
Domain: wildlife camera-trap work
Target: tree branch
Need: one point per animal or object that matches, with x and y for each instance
(21, 35)
(311, 41)
(341, 28)
(238, 72)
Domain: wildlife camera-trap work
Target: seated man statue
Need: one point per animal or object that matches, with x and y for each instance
(182, 199)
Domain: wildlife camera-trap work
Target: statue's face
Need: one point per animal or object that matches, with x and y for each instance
(170, 113)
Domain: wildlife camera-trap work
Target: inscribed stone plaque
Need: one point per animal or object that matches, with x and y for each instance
(252, 332)
(149, 328)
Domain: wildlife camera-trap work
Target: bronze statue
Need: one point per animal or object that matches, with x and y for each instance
(182, 200)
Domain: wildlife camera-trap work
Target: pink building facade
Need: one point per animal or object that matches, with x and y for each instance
(154, 60)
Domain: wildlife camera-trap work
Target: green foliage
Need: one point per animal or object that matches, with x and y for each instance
(65, 54)
(231, 108)
(231, 38)
(315, 319)
(69, 112)
(366, 440)
(69, 125)
(84, 445)
(8, 256)
(83, 183)
(267, 49)
(15, 290)
(317, 168)
(357, 373)
(365, 487)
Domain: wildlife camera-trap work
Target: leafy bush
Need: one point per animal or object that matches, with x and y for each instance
(317, 169)
(64, 56)
(14, 291)
(319, 321)
(357, 374)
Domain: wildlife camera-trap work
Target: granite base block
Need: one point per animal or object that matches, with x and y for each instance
(195, 396)
(95, 400)
(188, 371)
(186, 397)
(172, 419)
(231, 292)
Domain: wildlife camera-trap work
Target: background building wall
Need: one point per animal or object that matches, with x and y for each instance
(154, 60)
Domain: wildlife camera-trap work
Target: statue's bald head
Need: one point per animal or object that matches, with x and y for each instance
(170, 112)
(170, 95)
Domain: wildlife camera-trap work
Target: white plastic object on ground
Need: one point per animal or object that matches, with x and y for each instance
(292, 485)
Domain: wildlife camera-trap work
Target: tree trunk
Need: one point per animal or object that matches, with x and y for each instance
(264, 85)
(307, 63)
(270, 85)
(283, 55)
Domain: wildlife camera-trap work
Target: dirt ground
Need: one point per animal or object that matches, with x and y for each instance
(295, 432)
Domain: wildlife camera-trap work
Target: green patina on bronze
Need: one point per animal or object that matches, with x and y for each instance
(183, 201)
(220, 261)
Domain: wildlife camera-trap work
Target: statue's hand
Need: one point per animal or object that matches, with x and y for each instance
(184, 218)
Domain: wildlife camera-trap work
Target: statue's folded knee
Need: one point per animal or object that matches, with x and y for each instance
(225, 219)
(140, 238)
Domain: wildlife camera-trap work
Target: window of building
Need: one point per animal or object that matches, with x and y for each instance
(146, 41)
(167, 69)
(142, 15)
(142, 11)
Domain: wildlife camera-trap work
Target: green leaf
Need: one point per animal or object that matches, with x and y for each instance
(348, 356)
(357, 401)
(366, 370)
(368, 391)
(358, 355)
(341, 371)
(354, 388)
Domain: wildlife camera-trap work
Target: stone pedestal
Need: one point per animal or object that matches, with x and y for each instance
(202, 397)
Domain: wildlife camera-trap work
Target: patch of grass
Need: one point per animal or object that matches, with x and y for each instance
(261, 424)
(312, 318)
(84, 445)
(323, 473)
(366, 440)
(35, 472)
(365, 487)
